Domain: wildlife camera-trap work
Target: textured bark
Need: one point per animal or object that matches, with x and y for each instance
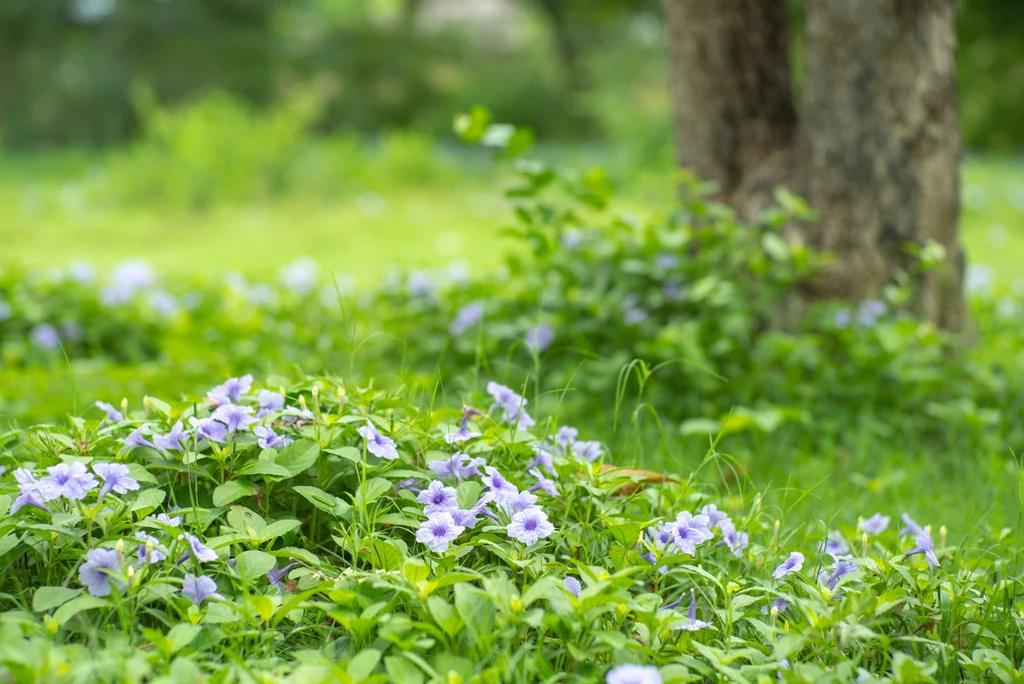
(731, 84)
(879, 144)
(876, 149)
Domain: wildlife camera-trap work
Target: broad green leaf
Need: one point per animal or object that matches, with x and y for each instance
(372, 490)
(76, 606)
(384, 555)
(182, 634)
(265, 468)
(348, 453)
(46, 598)
(625, 534)
(278, 528)
(231, 491)
(298, 456)
(468, 493)
(246, 521)
(401, 670)
(254, 564)
(415, 570)
(327, 503)
(363, 665)
(147, 501)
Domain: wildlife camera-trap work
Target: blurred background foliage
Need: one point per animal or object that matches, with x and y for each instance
(570, 69)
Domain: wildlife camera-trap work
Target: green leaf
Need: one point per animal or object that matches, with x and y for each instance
(182, 634)
(401, 670)
(468, 493)
(363, 665)
(470, 127)
(625, 534)
(348, 453)
(372, 490)
(384, 555)
(147, 501)
(76, 606)
(415, 570)
(246, 521)
(265, 468)
(299, 456)
(46, 598)
(231, 491)
(253, 564)
(328, 503)
(279, 528)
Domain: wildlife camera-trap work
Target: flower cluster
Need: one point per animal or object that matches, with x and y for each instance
(71, 481)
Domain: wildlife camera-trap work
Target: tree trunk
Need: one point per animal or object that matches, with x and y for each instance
(733, 101)
(875, 149)
(573, 72)
(879, 144)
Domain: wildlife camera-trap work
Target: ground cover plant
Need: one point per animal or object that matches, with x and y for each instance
(327, 532)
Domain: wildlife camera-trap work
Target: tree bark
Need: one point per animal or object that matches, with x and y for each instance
(879, 145)
(875, 149)
(731, 85)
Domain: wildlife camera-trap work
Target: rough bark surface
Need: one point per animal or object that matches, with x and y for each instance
(731, 84)
(879, 144)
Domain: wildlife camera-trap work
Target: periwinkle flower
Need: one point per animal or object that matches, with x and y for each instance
(841, 569)
(835, 545)
(231, 390)
(571, 238)
(269, 402)
(923, 545)
(377, 444)
(690, 532)
(135, 439)
(842, 318)
(463, 434)
(530, 526)
(778, 605)
(410, 483)
(150, 550)
(82, 272)
(633, 674)
(44, 336)
(512, 403)
(587, 450)
(268, 439)
(437, 498)
(172, 440)
(736, 540)
(276, 577)
(466, 317)
(134, 274)
(29, 494)
(522, 501)
(539, 337)
(297, 415)
(565, 436)
(5, 310)
(199, 551)
(115, 478)
(667, 262)
(790, 565)
(911, 526)
(544, 484)
(199, 589)
(209, 429)
(438, 531)
(163, 303)
(693, 624)
(870, 311)
(876, 524)
(300, 276)
(234, 417)
(715, 517)
(545, 459)
(459, 466)
(573, 586)
(496, 483)
(662, 535)
(632, 312)
(94, 573)
(112, 413)
(70, 480)
(419, 284)
(165, 519)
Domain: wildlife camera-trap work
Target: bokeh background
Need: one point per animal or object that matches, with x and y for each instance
(245, 134)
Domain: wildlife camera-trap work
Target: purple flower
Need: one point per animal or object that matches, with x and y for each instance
(834, 544)
(573, 586)
(165, 519)
(163, 303)
(632, 312)
(791, 564)
(295, 414)
(693, 624)
(869, 312)
(589, 451)
(81, 272)
(463, 434)
(156, 553)
(276, 577)
(540, 337)
(923, 544)
(469, 518)
(459, 466)
(715, 517)
(511, 403)
(377, 444)
(200, 551)
(545, 459)
(112, 413)
(209, 429)
(135, 439)
(662, 535)
(44, 336)
(231, 390)
(691, 531)
(70, 480)
(571, 238)
(530, 526)
(667, 262)
(876, 524)
(466, 318)
(438, 531)
(841, 569)
(437, 498)
(842, 318)
(235, 417)
(522, 501)
(115, 478)
(778, 604)
(543, 483)
(911, 526)
(30, 493)
(172, 440)
(94, 573)
(269, 402)
(734, 539)
(419, 284)
(198, 589)
(633, 674)
(410, 483)
(268, 439)
(495, 483)
(565, 436)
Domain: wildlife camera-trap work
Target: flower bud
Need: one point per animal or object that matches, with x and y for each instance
(775, 613)
(130, 573)
(124, 407)
(145, 405)
(302, 402)
(864, 541)
(942, 535)
(119, 546)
